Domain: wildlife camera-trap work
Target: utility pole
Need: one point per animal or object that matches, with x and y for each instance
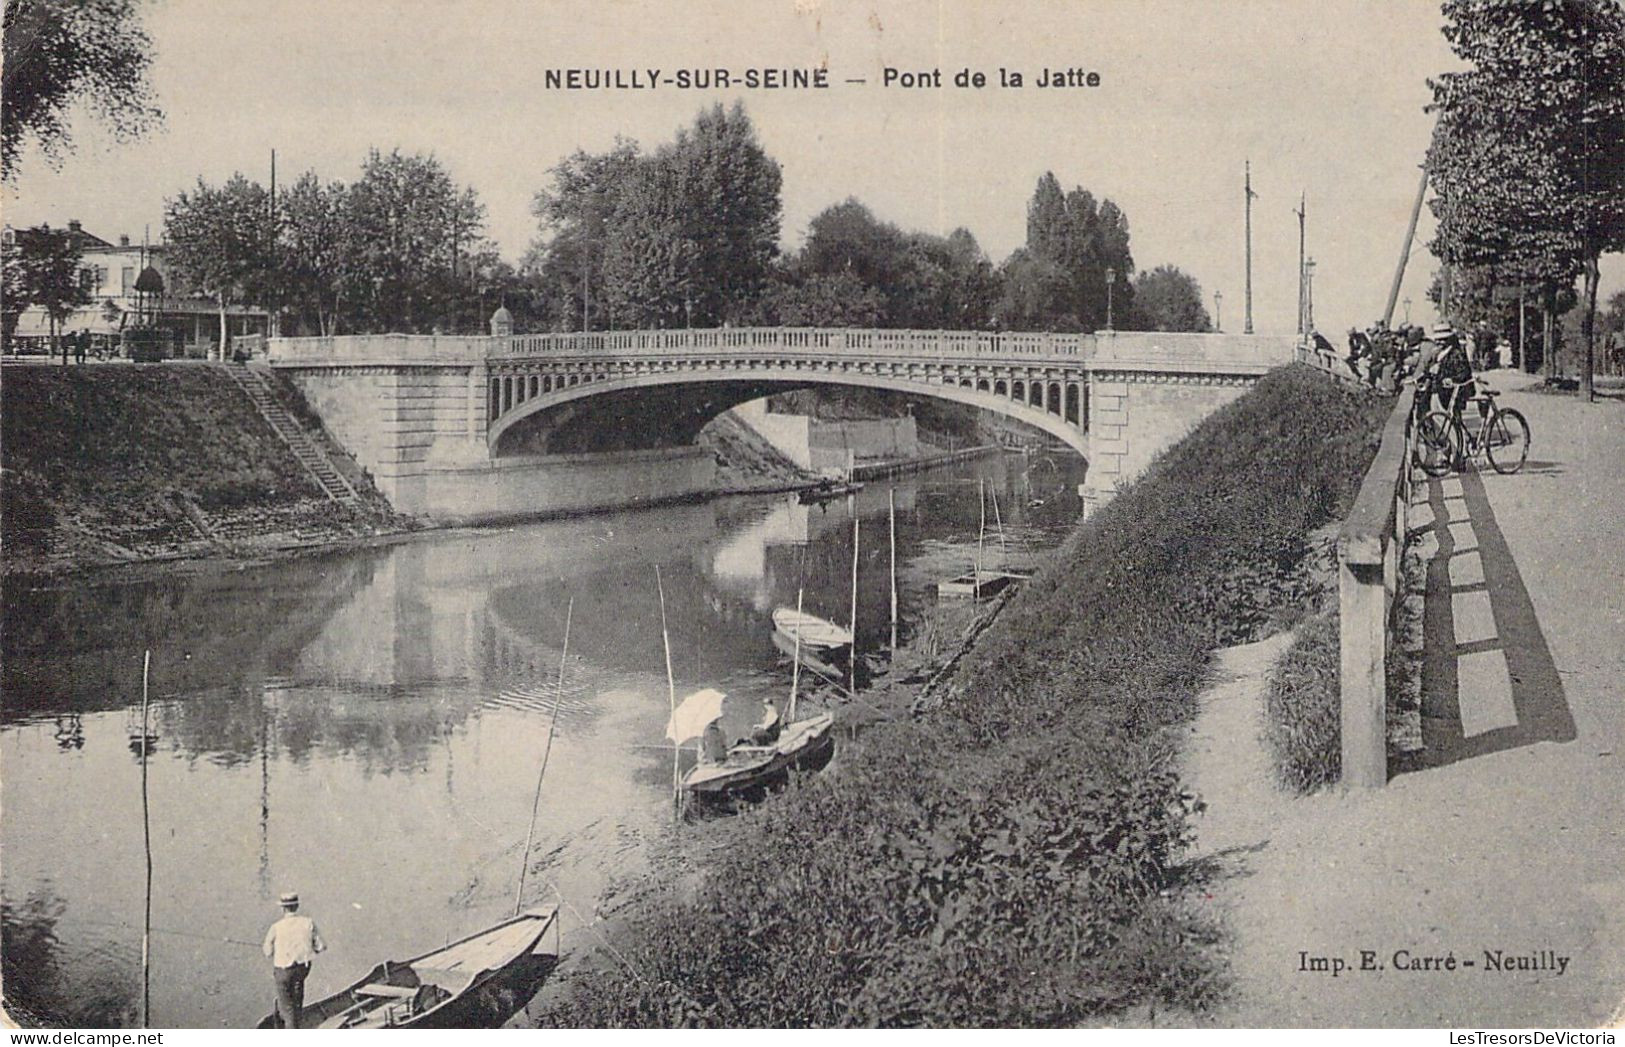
(1405, 250)
(1247, 327)
(276, 311)
(1303, 328)
(1308, 297)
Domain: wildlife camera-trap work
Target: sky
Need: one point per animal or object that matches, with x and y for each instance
(1324, 98)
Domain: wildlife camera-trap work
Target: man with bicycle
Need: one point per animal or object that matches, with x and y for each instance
(1445, 373)
(1443, 368)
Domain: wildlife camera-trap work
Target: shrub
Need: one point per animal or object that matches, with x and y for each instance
(1302, 708)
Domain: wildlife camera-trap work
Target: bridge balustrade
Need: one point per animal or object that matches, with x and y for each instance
(835, 341)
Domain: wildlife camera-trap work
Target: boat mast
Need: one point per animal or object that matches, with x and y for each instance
(981, 529)
(852, 674)
(671, 691)
(146, 839)
(795, 659)
(891, 506)
(547, 750)
(998, 523)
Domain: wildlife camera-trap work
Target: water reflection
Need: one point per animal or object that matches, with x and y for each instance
(366, 727)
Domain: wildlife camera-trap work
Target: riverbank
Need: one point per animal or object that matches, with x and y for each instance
(122, 470)
(1015, 857)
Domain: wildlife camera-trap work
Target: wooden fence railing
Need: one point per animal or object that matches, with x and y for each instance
(1370, 551)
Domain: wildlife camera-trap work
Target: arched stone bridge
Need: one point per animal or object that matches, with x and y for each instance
(464, 427)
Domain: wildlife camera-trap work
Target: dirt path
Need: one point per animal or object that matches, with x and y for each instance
(1505, 842)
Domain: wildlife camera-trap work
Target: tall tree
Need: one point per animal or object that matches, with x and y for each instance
(1083, 240)
(412, 232)
(693, 232)
(57, 52)
(221, 242)
(315, 253)
(1168, 299)
(1528, 156)
(42, 268)
(573, 215)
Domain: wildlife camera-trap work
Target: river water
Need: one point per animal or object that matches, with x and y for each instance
(366, 727)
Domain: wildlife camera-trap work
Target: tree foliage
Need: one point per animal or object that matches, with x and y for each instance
(41, 267)
(1081, 241)
(58, 52)
(1528, 156)
(221, 242)
(1168, 299)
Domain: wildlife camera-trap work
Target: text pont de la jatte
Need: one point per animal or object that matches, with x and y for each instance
(975, 78)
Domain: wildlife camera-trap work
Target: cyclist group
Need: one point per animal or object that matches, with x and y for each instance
(1442, 365)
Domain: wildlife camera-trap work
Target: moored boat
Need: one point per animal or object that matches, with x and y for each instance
(811, 630)
(826, 491)
(978, 585)
(476, 982)
(802, 745)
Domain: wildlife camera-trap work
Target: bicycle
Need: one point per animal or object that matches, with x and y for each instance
(1445, 442)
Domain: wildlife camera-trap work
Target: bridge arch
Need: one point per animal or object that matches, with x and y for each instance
(718, 391)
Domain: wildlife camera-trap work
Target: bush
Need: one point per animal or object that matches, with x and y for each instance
(1302, 708)
(1014, 859)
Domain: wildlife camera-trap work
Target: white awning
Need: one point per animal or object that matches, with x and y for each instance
(694, 714)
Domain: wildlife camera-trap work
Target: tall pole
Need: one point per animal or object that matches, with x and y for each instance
(891, 505)
(1218, 312)
(795, 659)
(547, 750)
(1405, 250)
(1308, 297)
(1247, 326)
(146, 838)
(852, 674)
(1303, 200)
(272, 324)
(671, 689)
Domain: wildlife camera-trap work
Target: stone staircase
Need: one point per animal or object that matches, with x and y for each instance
(310, 454)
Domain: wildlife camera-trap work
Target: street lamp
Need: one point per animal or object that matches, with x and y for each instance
(1111, 278)
(1218, 312)
(1407, 310)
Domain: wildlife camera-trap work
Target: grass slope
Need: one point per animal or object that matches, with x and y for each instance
(130, 455)
(1013, 859)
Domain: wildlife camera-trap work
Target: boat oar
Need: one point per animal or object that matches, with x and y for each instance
(547, 750)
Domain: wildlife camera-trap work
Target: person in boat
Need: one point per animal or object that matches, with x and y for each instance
(766, 731)
(291, 943)
(713, 746)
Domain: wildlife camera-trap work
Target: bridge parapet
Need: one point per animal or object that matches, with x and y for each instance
(402, 348)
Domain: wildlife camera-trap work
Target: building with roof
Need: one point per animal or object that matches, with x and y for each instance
(108, 273)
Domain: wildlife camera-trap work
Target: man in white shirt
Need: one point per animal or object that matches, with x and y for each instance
(291, 943)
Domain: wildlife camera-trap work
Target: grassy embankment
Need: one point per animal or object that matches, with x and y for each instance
(110, 464)
(1014, 857)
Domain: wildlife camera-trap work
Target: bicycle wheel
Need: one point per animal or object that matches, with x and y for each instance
(1507, 441)
(1435, 444)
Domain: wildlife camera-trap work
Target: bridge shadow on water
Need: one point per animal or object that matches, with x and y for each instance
(1456, 696)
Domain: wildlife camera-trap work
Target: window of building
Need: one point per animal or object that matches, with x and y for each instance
(127, 280)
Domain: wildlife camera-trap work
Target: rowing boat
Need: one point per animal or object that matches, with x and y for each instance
(814, 632)
(802, 745)
(478, 982)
